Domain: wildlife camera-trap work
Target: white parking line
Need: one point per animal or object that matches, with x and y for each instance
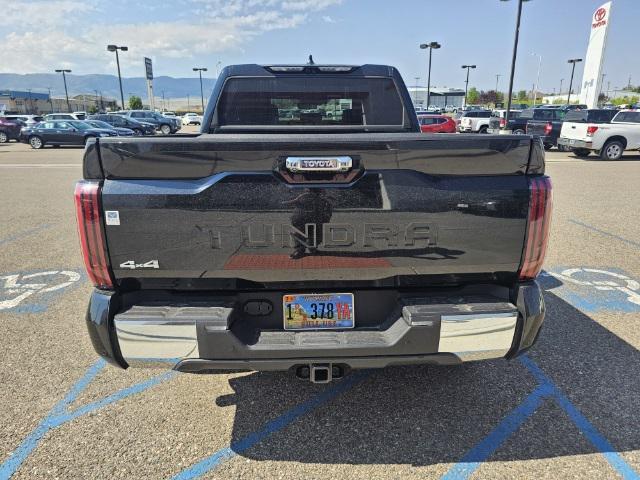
(40, 165)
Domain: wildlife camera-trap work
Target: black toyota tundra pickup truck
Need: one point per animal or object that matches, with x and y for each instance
(311, 227)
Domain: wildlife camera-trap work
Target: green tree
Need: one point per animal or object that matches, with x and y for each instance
(522, 95)
(135, 102)
(93, 109)
(473, 95)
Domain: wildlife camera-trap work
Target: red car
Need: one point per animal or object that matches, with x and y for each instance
(437, 124)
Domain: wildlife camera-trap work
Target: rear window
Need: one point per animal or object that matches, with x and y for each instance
(528, 113)
(589, 116)
(633, 117)
(301, 101)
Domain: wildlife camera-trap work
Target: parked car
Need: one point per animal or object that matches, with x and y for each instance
(191, 119)
(61, 132)
(165, 125)
(139, 128)
(609, 140)
(436, 124)
(121, 132)
(518, 125)
(546, 124)
(476, 121)
(64, 116)
(10, 129)
(498, 119)
(184, 280)
(29, 120)
(81, 115)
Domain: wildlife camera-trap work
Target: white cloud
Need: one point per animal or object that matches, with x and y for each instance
(328, 19)
(44, 35)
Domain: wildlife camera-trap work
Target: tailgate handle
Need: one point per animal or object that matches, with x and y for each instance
(318, 164)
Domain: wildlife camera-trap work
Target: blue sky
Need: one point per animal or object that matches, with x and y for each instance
(45, 34)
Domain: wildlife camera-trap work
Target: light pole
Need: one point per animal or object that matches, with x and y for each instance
(466, 82)
(200, 70)
(513, 62)
(415, 92)
(537, 85)
(430, 46)
(573, 62)
(64, 79)
(560, 91)
(497, 78)
(115, 48)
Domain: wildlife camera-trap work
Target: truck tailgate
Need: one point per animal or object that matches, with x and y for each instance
(575, 131)
(220, 211)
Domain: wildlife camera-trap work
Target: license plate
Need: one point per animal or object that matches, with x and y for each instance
(318, 311)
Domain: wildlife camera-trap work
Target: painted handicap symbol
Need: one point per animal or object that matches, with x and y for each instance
(16, 288)
(594, 289)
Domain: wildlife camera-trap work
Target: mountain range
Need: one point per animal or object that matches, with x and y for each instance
(107, 85)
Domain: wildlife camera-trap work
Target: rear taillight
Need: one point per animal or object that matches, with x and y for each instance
(591, 129)
(547, 128)
(540, 205)
(91, 232)
(503, 122)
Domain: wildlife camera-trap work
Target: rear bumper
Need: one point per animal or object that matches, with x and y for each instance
(207, 337)
(573, 143)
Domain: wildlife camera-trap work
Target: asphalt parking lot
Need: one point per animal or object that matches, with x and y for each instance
(569, 409)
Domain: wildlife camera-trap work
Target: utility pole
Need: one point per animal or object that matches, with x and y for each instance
(497, 78)
(200, 70)
(573, 62)
(115, 48)
(601, 87)
(466, 83)
(537, 85)
(430, 46)
(64, 79)
(50, 101)
(560, 91)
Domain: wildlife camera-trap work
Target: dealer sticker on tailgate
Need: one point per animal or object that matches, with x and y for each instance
(318, 311)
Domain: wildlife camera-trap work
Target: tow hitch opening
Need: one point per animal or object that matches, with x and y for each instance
(319, 372)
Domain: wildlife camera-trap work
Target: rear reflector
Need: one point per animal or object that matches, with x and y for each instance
(539, 219)
(91, 233)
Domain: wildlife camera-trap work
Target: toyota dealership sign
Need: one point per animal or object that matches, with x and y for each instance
(592, 76)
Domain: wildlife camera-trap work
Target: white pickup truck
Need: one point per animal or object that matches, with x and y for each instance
(609, 140)
(476, 121)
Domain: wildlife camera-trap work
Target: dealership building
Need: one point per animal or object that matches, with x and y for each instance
(439, 96)
(15, 101)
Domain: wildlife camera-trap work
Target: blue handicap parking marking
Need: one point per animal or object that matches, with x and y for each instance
(32, 292)
(545, 390)
(594, 290)
(63, 413)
